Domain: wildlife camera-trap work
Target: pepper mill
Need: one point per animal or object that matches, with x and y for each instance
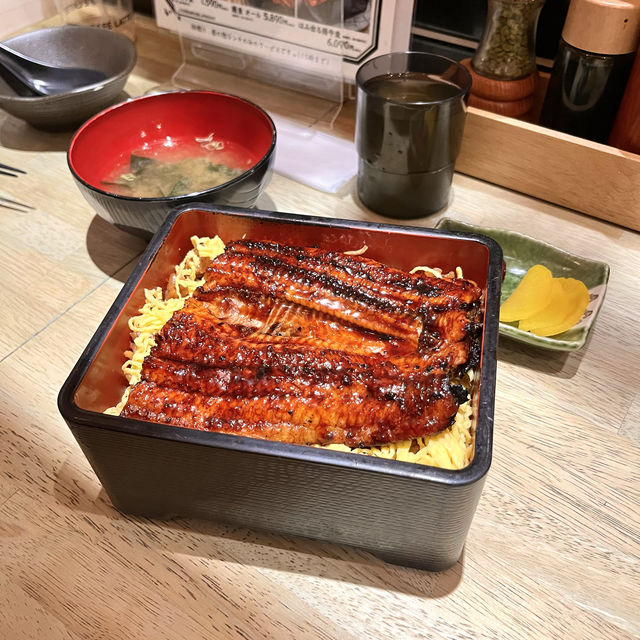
(503, 68)
(592, 66)
(626, 128)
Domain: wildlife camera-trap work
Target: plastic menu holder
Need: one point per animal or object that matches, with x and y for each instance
(279, 88)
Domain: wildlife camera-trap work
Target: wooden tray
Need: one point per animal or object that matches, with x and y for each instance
(589, 177)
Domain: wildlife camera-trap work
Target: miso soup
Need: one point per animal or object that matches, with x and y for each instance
(177, 169)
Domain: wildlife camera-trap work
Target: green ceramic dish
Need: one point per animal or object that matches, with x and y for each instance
(522, 252)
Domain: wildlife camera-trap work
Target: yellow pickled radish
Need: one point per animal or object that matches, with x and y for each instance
(554, 311)
(569, 300)
(530, 296)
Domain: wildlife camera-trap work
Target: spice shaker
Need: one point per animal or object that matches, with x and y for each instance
(626, 128)
(503, 67)
(592, 67)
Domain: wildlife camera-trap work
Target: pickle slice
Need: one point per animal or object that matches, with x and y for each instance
(568, 302)
(530, 297)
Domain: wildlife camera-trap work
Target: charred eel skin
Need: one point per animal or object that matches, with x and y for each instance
(309, 346)
(318, 414)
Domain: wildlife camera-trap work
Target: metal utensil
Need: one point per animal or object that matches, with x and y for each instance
(29, 77)
(7, 203)
(6, 170)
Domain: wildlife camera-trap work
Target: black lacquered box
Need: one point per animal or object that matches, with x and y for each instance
(405, 513)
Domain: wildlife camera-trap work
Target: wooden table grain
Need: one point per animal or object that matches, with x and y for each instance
(554, 545)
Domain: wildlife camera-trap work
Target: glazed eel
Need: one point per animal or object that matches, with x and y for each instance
(310, 346)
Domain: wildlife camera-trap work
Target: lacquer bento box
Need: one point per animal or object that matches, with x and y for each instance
(406, 513)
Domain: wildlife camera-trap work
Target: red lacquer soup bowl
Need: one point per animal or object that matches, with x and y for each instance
(199, 133)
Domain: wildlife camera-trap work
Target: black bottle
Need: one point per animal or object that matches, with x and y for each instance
(592, 67)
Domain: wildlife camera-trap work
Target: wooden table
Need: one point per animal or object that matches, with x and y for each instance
(552, 551)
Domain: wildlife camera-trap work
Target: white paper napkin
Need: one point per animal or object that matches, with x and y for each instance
(313, 158)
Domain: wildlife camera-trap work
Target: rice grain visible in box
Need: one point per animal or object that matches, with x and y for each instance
(415, 515)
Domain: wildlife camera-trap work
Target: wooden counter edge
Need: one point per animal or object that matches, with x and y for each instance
(589, 177)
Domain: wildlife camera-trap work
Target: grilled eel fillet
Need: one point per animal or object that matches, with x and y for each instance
(310, 346)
